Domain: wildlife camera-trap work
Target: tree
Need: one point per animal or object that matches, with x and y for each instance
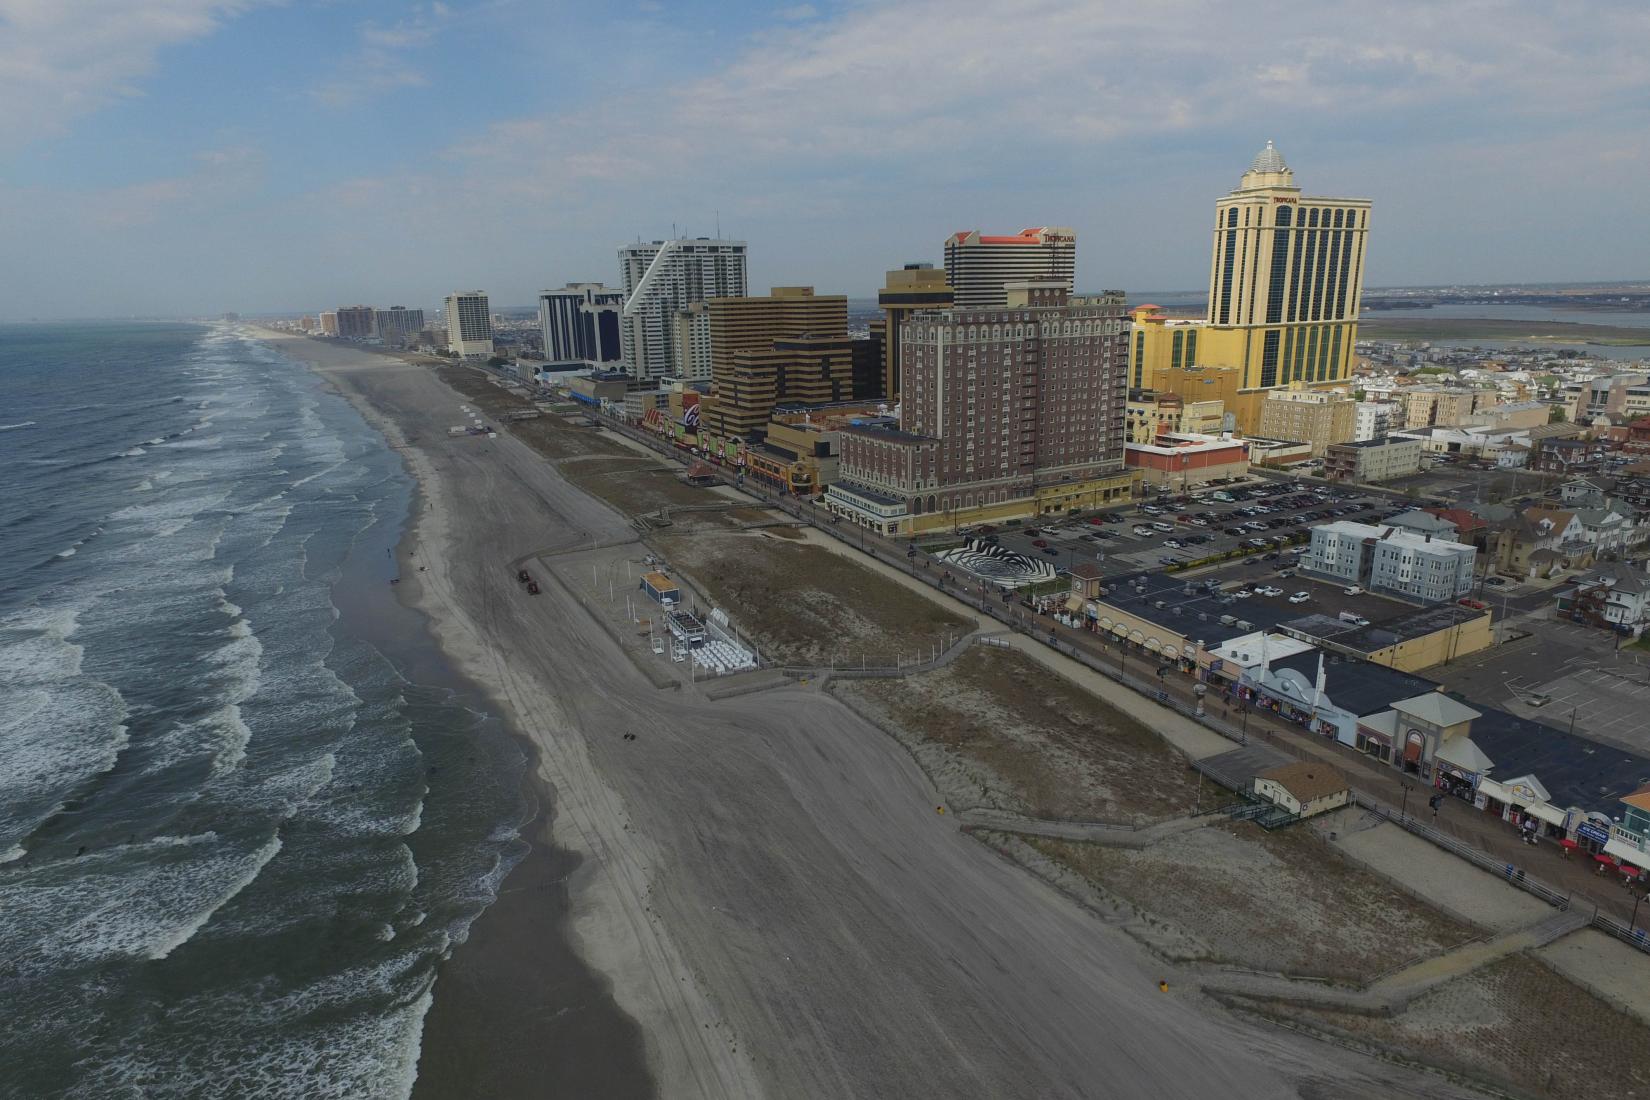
(1557, 415)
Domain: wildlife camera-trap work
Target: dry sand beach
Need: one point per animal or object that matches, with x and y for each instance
(761, 882)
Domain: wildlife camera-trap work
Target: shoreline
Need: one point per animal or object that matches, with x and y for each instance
(764, 880)
(515, 1009)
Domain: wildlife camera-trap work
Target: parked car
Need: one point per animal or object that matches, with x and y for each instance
(1299, 597)
(1053, 551)
(1033, 531)
(1355, 620)
(1097, 520)
(1495, 581)
(1141, 529)
(1269, 590)
(1173, 544)
(1476, 605)
(1353, 590)
(1039, 543)
(1162, 526)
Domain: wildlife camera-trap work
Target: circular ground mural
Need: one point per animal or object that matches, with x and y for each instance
(1001, 567)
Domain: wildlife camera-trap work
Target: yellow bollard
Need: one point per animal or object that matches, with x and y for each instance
(1162, 986)
(939, 809)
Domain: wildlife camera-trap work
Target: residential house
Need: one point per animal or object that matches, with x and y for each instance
(1539, 542)
(1614, 595)
(1568, 456)
(1606, 529)
(1470, 529)
(1586, 492)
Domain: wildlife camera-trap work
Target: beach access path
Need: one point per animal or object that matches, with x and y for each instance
(765, 879)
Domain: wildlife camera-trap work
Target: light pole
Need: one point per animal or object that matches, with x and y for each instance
(1403, 810)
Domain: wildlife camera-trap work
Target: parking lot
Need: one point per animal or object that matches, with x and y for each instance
(1563, 671)
(1263, 516)
(1463, 482)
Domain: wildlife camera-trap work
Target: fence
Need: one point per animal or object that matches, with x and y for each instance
(1514, 874)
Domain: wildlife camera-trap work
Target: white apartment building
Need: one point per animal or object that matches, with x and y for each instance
(1373, 419)
(661, 278)
(469, 324)
(691, 343)
(1391, 561)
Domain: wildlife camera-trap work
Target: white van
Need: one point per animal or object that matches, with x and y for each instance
(1355, 620)
(1353, 590)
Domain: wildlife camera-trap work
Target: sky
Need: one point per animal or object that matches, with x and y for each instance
(185, 157)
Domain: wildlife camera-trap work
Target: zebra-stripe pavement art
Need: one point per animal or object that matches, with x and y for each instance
(993, 563)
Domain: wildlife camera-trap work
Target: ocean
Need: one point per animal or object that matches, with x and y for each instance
(245, 808)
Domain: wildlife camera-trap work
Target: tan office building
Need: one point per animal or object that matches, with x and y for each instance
(787, 346)
(1308, 416)
(1150, 414)
(914, 287)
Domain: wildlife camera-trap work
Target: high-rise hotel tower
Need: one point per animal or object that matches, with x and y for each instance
(977, 266)
(660, 279)
(1287, 273)
(1285, 280)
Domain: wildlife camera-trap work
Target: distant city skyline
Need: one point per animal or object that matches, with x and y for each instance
(198, 156)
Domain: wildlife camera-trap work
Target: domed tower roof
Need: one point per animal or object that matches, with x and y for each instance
(1268, 160)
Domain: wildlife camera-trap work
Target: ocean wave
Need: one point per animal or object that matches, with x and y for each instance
(133, 453)
(69, 553)
(141, 900)
(15, 427)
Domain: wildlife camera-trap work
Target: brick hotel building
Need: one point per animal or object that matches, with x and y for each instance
(1004, 412)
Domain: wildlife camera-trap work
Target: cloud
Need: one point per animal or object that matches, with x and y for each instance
(61, 59)
(381, 64)
(219, 176)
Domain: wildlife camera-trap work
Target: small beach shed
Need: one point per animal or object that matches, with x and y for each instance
(660, 588)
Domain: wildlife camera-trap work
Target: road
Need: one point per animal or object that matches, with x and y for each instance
(766, 879)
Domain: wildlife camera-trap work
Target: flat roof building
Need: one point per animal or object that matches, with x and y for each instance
(469, 325)
(660, 278)
(1391, 561)
(978, 267)
(1004, 412)
(1180, 461)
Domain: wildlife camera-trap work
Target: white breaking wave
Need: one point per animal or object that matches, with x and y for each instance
(59, 730)
(133, 453)
(15, 427)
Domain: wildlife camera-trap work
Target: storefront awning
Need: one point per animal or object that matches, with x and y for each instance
(1120, 629)
(1136, 637)
(1074, 603)
(1462, 752)
(1171, 651)
(1625, 852)
(1105, 622)
(1153, 644)
(1489, 788)
(1552, 815)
